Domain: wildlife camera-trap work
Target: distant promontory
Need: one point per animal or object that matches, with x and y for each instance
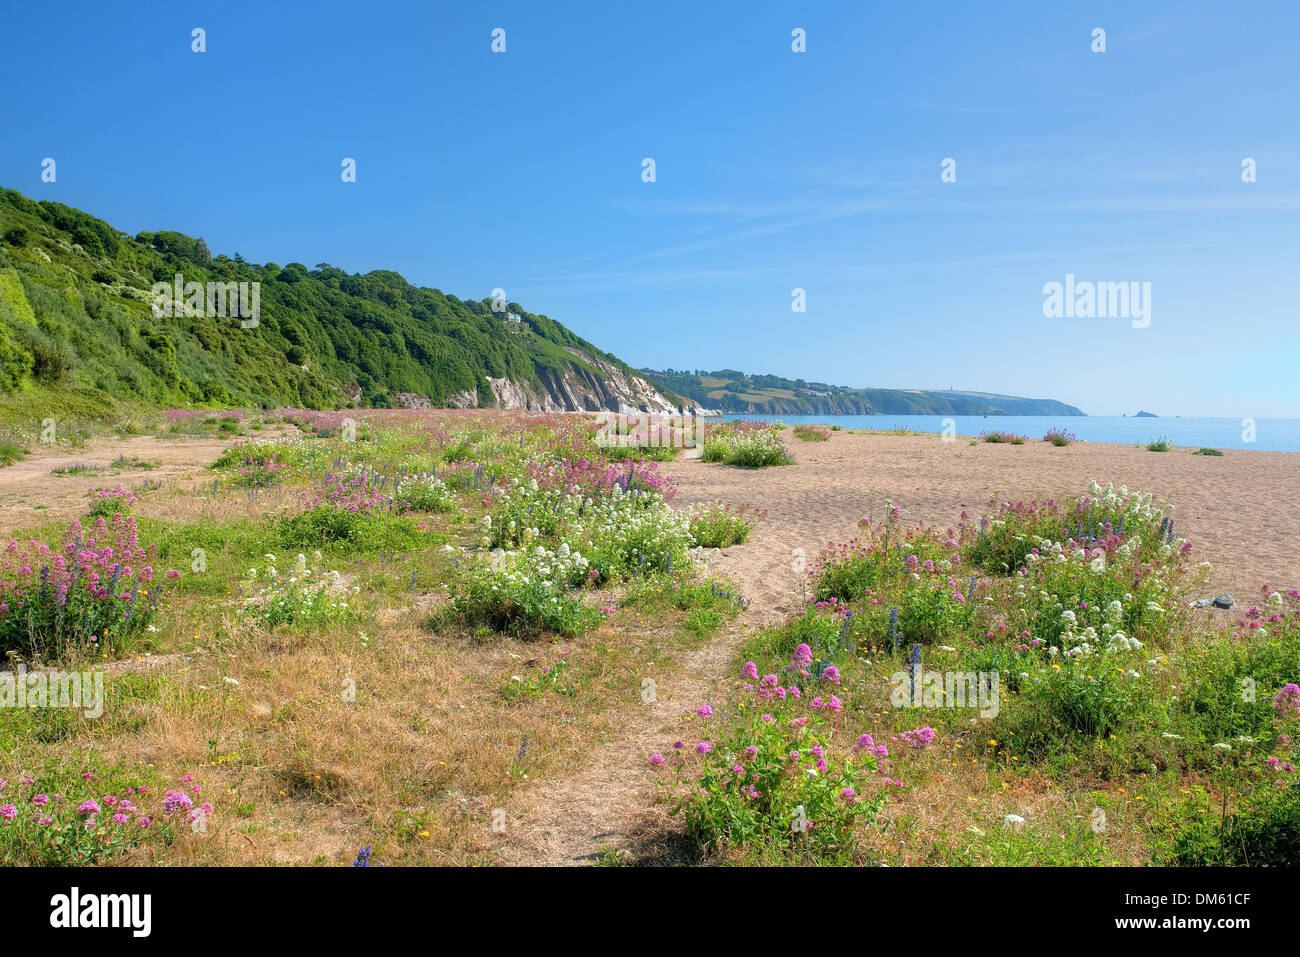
(730, 391)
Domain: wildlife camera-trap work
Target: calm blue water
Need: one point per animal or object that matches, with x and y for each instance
(1275, 435)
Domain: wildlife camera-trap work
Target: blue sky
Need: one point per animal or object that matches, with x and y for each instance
(775, 170)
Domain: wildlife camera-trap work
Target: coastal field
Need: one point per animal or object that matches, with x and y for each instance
(478, 637)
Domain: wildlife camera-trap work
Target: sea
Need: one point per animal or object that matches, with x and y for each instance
(1271, 435)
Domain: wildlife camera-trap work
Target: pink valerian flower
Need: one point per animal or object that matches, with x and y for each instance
(822, 765)
(88, 808)
(704, 747)
(177, 803)
(802, 655)
(919, 738)
(120, 818)
(8, 811)
(865, 742)
(704, 711)
(831, 674)
(40, 800)
(1287, 701)
(751, 753)
(656, 759)
(849, 796)
(750, 671)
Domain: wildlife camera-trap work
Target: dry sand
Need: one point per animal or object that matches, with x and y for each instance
(1236, 510)
(31, 494)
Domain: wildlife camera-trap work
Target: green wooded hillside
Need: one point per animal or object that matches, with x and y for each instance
(75, 316)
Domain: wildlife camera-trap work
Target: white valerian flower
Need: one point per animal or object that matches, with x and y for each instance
(1172, 737)
(1223, 746)
(1012, 820)
(230, 681)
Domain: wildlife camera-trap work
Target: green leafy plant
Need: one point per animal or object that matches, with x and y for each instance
(716, 526)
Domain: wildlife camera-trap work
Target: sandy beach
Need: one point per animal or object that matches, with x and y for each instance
(1236, 510)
